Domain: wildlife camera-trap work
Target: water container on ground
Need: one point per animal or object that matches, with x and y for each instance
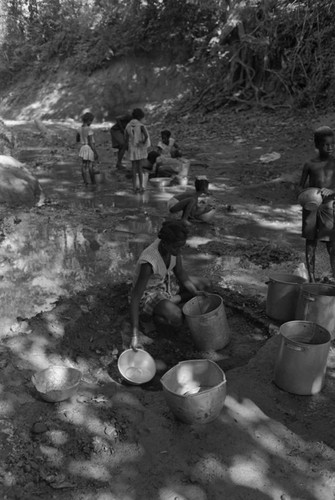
(302, 357)
(282, 296)
(207, 321)
(316, 303)
(195, 390)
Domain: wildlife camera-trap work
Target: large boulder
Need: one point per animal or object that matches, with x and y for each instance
(17, 185)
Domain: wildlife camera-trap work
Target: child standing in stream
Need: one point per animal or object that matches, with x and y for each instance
(88, 152)
(138, 142)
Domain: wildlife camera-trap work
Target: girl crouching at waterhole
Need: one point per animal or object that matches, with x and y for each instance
(154, 292)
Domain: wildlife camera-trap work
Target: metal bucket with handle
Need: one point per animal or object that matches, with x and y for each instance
(302, 357)
(316, 303)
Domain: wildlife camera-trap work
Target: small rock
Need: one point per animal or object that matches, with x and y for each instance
(94, 245)
(29, 486)
(110, 431)
(160, 365)
(35, 466)
(39, 428)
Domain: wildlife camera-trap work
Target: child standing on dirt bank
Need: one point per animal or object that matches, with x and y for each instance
(138, 142)
(188, 203)
(318, 221)
(88, 152)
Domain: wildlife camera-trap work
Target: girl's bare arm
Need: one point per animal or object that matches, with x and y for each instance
(126, 138)
(183, 277)
(304, 176)
(136, 295)
(91, 143)
(145, 133)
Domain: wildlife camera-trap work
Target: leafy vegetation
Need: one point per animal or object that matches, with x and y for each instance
(271, 52)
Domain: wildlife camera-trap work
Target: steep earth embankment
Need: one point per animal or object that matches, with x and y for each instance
(62, 93)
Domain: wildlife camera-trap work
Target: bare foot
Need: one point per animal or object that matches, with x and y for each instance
(176, 299)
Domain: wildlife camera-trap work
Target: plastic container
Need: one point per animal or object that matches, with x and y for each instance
(144, 180)
(316, 303)
(207, 321)
(282, 296)
(195, 390)
(302, 357)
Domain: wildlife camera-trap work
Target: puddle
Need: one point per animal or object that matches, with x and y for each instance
(42, 261)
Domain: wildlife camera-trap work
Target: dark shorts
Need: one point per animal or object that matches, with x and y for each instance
(319, 224)
(118, 140)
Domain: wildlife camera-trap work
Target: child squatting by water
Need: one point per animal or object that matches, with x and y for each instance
(188, 203)
(154, 292)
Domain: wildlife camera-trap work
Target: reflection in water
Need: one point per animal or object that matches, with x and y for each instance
(41, 261)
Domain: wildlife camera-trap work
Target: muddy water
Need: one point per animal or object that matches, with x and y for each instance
(43, 260)
(48, 260)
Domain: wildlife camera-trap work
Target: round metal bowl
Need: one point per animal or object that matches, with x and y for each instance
(136, 367)
(56, 383)
(310, 198)
(208, 216)
(160, 182)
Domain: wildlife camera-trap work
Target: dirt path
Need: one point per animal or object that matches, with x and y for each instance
(73, 260)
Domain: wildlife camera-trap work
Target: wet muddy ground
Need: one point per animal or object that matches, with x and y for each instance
(66, 270)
